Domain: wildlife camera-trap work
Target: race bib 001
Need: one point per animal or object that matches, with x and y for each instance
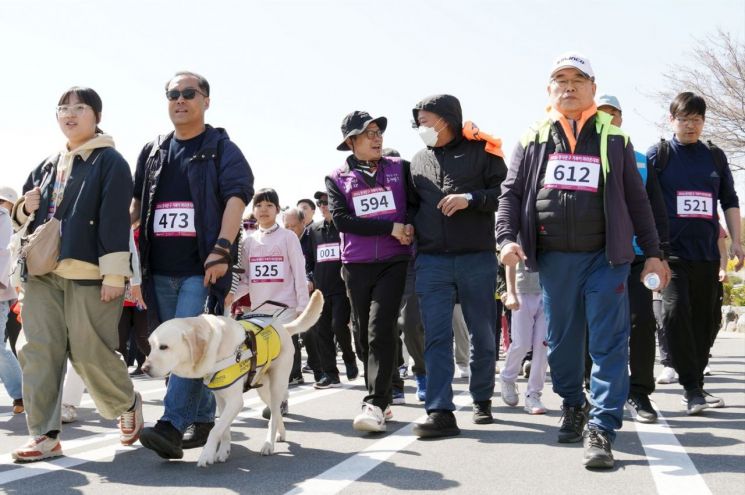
(373, 202)
(264, 269)
(174, 219)
(572, 172)
(695, 204)
(328, 252)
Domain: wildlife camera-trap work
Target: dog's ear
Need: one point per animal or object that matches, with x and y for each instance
(197, 337)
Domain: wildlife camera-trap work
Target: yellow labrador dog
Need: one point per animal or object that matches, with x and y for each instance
(193, 347)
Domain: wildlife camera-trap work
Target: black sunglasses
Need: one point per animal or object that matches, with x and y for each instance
(322, 202)
(188, 94)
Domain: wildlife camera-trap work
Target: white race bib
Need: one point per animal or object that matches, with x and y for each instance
(373, 202)
(328, 252)
(572, 172)
(695, 204)
(174, 219)
(265, 269)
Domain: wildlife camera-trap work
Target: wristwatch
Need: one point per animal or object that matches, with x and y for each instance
(469, 197)
(223, 243)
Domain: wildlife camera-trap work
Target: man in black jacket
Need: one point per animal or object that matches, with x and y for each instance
(455, 185)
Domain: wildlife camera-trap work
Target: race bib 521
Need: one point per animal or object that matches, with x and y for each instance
(263, 269)
(373, 202)
(572, 172)
(695, 204)
(174, 219)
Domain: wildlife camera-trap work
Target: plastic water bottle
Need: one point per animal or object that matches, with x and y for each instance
(652, 281)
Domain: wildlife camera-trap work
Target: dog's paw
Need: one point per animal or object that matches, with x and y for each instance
(205, 459)
(223, 453)
(267, 449)
(280, 437)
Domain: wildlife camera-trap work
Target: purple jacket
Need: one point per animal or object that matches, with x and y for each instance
(364, 214)
(627, 209)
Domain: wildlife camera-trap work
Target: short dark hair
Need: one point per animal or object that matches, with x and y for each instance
(688, 103)
(307, 201)
(391, 153)
(87, 96)
(201, 81)
(267, 194)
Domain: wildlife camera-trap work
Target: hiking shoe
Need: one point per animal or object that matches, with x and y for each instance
(398, 397)
(131, 422)
(37, 449)
(482, 412)
(645, 413)
(695, 401)
(18, 406)
(352, 371)
(196, 435)
(573, 420)
(598, 454)
(713, 401)
(164, 439)
(371, 419)
(533, 404)
(327, 382)
(509, 392)
(284, 409)
(421, 387)
(668, 375)
(68, 413)
(297, 380)
(462, 371)
(438, 424)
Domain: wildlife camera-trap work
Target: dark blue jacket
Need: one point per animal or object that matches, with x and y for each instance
(216, 173)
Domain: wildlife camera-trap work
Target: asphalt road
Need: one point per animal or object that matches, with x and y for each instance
(518, 454)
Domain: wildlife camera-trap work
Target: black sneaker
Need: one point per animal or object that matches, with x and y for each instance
(437, 424)
(327, 382)
(352, 371)
(482, 412)
(283, 408)
(573, 420)
(164, 439)
(598, 454)
(296, 380)
(695, 401)
(645, 413)
(196, 435)
(306, 369)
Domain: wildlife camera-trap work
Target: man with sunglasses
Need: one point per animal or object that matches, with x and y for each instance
(322, 246)
(191, 188)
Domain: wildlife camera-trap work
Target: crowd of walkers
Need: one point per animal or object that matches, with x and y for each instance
(422, 260)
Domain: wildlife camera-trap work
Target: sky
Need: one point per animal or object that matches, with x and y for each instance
(284, 73)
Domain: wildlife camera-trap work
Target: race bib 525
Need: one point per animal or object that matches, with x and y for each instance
(263, 269)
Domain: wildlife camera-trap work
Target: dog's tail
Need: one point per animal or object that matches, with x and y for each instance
(309, 316)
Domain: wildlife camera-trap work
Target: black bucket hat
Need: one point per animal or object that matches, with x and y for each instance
(355, 123)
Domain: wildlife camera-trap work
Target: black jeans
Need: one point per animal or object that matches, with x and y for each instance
(133, 322)
(687, 313)
(334, 322)
(642, 339)
(375, 291)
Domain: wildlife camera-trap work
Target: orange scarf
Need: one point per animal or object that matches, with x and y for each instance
(493, 145)
(555, 115)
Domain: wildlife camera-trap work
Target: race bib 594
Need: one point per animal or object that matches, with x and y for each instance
(373, 202)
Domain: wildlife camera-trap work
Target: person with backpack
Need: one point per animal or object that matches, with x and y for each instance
(642, 343)
(76, 262)
(191, 187)
(569, 208)
(694, 178)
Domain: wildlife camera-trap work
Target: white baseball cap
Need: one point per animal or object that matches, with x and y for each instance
(575, 60)
(8, 194)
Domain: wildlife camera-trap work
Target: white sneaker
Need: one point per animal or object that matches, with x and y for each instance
(533, 404)
(462, 371)
(707, 370)
(509, 392)
(370, 419)
(38, 448)
(388, 413)
(668, 375)
(69, 413)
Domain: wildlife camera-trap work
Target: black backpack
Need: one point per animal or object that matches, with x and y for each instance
(663, 157)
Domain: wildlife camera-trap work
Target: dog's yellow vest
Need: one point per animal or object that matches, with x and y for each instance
(261, 347)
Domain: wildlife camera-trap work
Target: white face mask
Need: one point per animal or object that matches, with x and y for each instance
(428, 134)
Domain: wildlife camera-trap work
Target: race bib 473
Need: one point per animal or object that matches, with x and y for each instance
(174, 219)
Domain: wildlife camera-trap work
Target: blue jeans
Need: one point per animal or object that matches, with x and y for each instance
(187, 400)
(10, 370)
(472, 279)
(583, 292)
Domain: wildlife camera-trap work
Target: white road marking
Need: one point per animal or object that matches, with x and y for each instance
(345, 473)
(672, 470)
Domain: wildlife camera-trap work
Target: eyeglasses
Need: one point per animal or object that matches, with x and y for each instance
(695, 121)
(373, 134)
(188, 94)
(75, 110)
(322, 202)
(564, 83)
